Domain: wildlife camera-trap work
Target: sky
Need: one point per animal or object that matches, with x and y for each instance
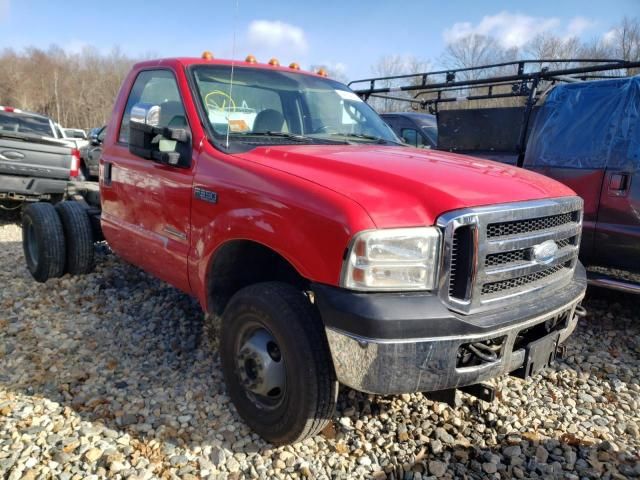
(348, 36)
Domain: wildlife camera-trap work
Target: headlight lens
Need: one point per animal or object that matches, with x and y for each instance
(393, 259)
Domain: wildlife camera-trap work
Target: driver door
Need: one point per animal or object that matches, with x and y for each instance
(149, 206)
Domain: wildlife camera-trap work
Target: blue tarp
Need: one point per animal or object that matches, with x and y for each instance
(594, 124)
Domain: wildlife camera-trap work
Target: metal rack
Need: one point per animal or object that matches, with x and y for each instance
(522, 78)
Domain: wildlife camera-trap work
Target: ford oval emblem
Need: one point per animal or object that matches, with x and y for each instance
(545, 252)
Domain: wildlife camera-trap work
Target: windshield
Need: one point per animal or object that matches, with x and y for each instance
(23, 123)
(75, 133)
(272, 106)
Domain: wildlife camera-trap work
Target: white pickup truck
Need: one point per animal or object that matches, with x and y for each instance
(76, 136)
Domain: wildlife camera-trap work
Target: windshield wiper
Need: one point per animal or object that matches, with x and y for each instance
(292, 136)
(378, 140)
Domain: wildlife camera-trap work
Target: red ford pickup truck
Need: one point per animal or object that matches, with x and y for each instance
(332, 252)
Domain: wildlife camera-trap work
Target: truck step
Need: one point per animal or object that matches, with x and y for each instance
(599, 280)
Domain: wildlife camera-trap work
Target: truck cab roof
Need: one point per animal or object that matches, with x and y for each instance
(421, 117)
(249, 62)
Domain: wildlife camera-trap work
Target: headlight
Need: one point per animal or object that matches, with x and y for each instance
(393, 259)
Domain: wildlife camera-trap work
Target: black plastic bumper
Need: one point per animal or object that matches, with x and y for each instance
(394, 343)
(418, 315)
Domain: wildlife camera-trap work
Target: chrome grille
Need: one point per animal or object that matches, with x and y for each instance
(455, 251)
(506, 257)
(501, 265)
(529, 225)
(523, 255)
(496, 287)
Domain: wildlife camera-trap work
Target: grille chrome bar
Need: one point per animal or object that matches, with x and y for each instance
(503, 265)
(524, 241)
(511, 283)
(521, 256)
(500, 229)
(512, 271)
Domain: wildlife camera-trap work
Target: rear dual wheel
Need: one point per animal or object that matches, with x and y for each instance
(276, 362)
(43, 241)
(57, 240)
(79, 237)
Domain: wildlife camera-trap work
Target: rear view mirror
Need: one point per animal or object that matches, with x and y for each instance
(169, 146)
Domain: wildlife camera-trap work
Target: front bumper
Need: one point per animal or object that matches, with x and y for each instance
(398, 343)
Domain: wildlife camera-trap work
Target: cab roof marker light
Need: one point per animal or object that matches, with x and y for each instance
(322, 72)
(207, 55)
(250, 59)
(274, 62)
(294, 66)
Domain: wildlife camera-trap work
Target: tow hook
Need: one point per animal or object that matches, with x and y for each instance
(581, 312)
(481, 391)
(561, 352)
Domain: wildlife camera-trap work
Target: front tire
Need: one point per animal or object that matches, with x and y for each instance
(43, 241)
(276, 362)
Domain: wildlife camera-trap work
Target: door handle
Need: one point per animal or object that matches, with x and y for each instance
(619, 183)
(106, 174)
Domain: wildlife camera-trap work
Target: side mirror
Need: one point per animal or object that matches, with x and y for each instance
(168, 146)
(145, 113)
(93, 140)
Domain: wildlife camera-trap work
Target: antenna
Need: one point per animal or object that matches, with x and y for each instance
(233, 61)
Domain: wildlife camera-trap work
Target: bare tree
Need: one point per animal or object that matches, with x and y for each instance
(76, 90)
(625, 41)
(548, 46)
(393, 65)
(474, 50)
(597, 48)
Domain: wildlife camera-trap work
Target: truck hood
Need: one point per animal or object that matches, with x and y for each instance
(401, 186)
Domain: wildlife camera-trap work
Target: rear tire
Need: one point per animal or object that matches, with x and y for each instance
(79, 237)
(43, 241)
(299, 372)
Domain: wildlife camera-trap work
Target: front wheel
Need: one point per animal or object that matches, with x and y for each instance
(276, 362)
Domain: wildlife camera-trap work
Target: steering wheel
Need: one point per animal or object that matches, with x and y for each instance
(220, 101)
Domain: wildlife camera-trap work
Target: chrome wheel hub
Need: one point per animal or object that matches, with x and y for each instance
(260, 367)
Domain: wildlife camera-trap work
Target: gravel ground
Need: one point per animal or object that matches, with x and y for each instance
(114, 374)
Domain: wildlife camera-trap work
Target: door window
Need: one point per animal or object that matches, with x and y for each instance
(412, 137)
(155, 87)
